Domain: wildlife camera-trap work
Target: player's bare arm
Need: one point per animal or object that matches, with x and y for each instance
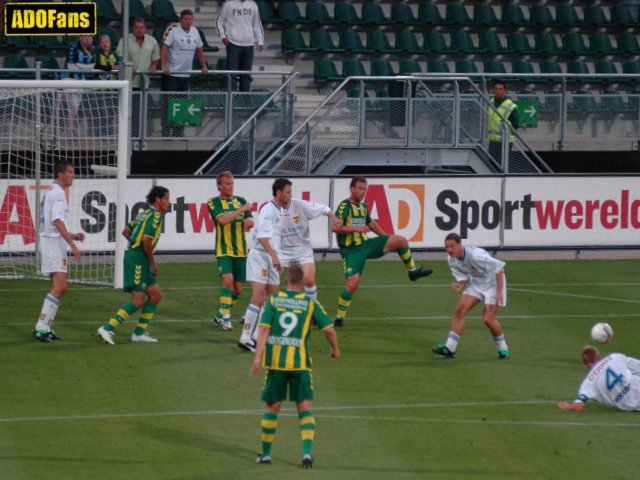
(69, 238)
(332, 337)
(376, 228)
(231, 216)
(263, 334)
(571, 406)
(459, 286)
(272, 253)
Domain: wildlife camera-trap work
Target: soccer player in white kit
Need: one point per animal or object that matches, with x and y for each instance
(613, 380)
(54, 238)
(480, 277)
(263, 262)
(296, 238)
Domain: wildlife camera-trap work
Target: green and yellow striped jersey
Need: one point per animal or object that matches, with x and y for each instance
(352, 215)
(289, 316)
(148, 223)
(230, 238)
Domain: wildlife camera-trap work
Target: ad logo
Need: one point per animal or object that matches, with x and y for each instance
(51, 18)
(407, 203)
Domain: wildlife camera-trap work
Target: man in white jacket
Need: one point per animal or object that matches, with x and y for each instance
(240, 29)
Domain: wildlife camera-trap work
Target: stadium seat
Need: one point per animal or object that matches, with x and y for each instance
(324, 71)
(583, 102)
(551, 68)
(605, 67)
(346, 15)
(457, 16)
(461, 42)
(158, 34)
(377, 42)
(206, 46)
(49, 42)
(489, 42)
(513, 16)
(540, 16)
(137, 9)
(429, 14)
(566, 16)
(373, 15)
(107, 11)
(494, 66)
(351, 42)
(267, 13)
(402, 14)
(48, 62)
(573, 44)
(485, 16)
(580, 69)
(317, 14)
(627, 43)
(466, 66)
(594, 17)
(600, 44)
(408, 67)
(164, 10)
(518, 42)
(20, 43)
(435, 43)
(407, 43)
(293, 41)
(290, 14)
(15, 61)
(546, 44)
(612, 102)
(522, 67)
(353, 68)
(321, 41)
(382, 68)
(631, 67)
(620, 16)
(437, 66)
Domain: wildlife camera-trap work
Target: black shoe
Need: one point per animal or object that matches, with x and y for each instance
(265, 460)
(307, 461)
(419, 272)
(53, 337)
(443, 351)
(339, 323)
(41, 335)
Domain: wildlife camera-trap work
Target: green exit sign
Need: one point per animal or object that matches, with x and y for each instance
(528, 113)
(185, 112)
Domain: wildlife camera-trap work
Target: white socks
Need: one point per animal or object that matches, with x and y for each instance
(48, 313)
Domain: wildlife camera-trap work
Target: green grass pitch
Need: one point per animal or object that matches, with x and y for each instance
(187, 408)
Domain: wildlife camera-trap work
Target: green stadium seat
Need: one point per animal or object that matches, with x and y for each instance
(540, 16)
(20, 43)
(377, 42)
(321, 41)
(373, 15)
(627, 43)
(518, 42)
(583, 102)
(494, 66)
(346, 15)
(612, 102)
(546, 44)
(523, 67)
(435, 43)
(457, 16)
(579, 68)
(594, 17)
(408, 67)
(158, 34)
(429, 14)
(49, 42)
(48, 61)
(402, 14)
(15, 61)
(566, 16)
(484, 15)
(437, 66)
(353, 68)
(206, 46)
(551, 68)
(268, 15)
(605, 67)
(137, 9)
(466, 66)
(621, 17)
(573, 44)
(107, 11)
(489, 42)
(382, 68)
(290, 13)
(293, 41)
(600, 44)
(324, 71)
(513, 16)
(351, 42)
(461, 42)
(164, 10)
(407, 43)
(631, 67)
(317, 14)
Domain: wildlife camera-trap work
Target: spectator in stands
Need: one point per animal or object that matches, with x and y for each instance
(80, 59)
(106, 102)
(106, 60)
(240, 29)
(144, 52)
(181, 42)
(501, 108)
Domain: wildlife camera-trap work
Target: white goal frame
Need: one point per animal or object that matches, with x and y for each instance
(121, 132)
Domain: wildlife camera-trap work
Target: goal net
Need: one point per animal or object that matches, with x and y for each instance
(42, 123)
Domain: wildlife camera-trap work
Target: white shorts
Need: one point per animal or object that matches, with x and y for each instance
(487, 295)
(260, 268)
(306, 257)
(53, 255)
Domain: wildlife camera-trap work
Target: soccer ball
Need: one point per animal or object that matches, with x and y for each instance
(602, 332)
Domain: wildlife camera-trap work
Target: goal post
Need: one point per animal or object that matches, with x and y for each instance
(43, 122)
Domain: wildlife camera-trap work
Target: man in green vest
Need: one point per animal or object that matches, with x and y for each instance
(504, 110)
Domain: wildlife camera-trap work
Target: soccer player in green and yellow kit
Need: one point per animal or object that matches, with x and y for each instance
(232, 216)
(282, 349)
(140, 269)
(356, 247)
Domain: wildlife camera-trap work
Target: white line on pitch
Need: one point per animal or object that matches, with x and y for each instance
(574, 295)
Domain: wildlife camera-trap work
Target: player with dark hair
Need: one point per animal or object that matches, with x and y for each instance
(282, 349)
(140, 269)
(356, 248)
(54, 238)
(480, 278)
(613, 380)
(231, 216)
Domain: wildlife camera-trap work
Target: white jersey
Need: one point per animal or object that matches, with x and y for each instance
(477, 267)
(182, 48)
(269, 226)
(296, 238)
(53, 207)
(613, 381)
